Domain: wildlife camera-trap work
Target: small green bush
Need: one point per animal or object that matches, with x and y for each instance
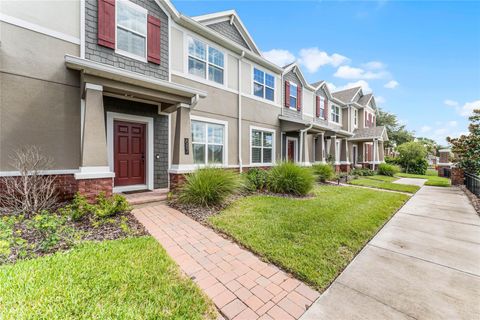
(209, 186)
(290, 179)
(78, 208)
(323, 172)
(386, 169)
(362, 172)
(420, 166)
(391, 160)
(107, 207)
(51, 228)
(256, 179)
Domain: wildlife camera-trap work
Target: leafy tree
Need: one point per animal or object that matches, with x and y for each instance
(412, 157)
(397, 134)
(429, 144)
(466, 148)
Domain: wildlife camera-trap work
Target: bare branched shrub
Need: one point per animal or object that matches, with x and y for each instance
(31, 191)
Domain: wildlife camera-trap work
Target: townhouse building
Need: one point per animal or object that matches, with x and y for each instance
(131, 95)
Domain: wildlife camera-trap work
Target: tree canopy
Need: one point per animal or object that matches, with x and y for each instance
(397, 134)
(412, 157)
(466, 148)
(429, 144)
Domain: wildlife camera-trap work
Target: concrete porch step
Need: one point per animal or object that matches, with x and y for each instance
(148, 196)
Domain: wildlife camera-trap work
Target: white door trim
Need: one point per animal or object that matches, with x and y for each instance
(296, 148)
(111, 116)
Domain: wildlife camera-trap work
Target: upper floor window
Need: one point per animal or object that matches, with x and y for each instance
(355, 117)
(263, 84)
(293, 95)
(322, 108)
(335, 114)
(262, 146)
(131, 30)
(207, 142)
(205, 61)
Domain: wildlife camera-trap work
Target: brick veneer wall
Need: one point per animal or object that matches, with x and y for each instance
(457, 177)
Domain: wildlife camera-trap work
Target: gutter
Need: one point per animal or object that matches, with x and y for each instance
(301, 138)
(240, 163)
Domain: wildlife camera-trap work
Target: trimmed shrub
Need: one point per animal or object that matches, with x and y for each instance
(323, 172)
(420, 166)
(256, 179)
(386, 169)
(362, 172)
(209, 186)
(391, 160)
(290, 179)
(107, 207)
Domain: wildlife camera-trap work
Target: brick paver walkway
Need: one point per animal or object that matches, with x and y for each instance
(239, 283)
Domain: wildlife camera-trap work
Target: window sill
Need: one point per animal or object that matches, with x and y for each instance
(130, 55)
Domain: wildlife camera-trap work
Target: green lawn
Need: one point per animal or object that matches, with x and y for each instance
(383, 182)
(120, 279)
(433, 180)
(312, 238)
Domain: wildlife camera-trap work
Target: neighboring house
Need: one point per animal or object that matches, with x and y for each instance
(131, 95)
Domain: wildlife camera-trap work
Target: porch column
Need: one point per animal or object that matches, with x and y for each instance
(319, 147)
(344, 151)
(307, 145)
(375, 153)
(182, 144)
(333, 148)
(94, 174)
(381, 151)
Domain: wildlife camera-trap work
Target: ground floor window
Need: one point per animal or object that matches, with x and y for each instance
(207, 142)
(261, 144)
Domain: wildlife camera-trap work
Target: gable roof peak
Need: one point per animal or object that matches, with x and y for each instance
(234, 19)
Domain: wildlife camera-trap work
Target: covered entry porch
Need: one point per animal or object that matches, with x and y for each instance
(125, 128)
(368, 146)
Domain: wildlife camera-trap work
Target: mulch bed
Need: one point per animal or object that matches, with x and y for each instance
(29, 241)
(473, 199)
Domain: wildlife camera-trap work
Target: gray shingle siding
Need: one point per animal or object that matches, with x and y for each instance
(108, 56)
(229, 31)
(160, 133)
(292, 77)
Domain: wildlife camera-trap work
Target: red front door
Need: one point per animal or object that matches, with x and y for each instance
(291, 150)
(129, 153)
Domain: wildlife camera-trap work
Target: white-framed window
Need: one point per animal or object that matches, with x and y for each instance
(261, 145)
(335, 114)
(205, 61)
(131, 30)
(355, 117)
(322, 108)
(263, 84)
(293, 95)
(208, 140)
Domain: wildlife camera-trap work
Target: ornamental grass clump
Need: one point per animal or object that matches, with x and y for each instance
(389, 170)
(324, 172)
(288, 178)
(209, 187)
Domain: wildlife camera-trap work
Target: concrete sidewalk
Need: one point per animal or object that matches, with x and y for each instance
(424, 264)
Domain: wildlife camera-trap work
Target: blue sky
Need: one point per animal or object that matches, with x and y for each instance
(420, 58)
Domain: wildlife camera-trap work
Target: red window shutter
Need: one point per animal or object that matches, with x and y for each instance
(318, 106)
(299, 98)
(106, 23)
(153, 39)
(287, 94)
(325, 115)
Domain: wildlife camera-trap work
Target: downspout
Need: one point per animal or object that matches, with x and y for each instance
(301, 139)
(240, 163)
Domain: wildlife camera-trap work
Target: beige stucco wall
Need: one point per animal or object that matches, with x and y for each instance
(39, 97)
(308, 103)
(60, 16)
(232, 74)
(176, 50)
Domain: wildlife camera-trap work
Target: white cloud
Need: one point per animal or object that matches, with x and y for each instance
(360, 83)
(392, 84)
(374, 65)
(279, 56)
(466, 110)
(347, 72)
(425, 129)
(380, 100)
(451, 103)
(314, 58)
(331, 86)
(452, 123)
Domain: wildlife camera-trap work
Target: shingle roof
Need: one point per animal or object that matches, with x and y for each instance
(369, 133)
(365, 99)
(346, 95)
(316, 84)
